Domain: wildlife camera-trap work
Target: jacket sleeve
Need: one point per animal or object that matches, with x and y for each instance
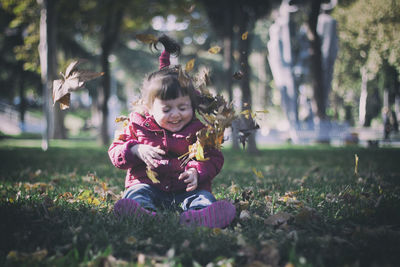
(208, 169)
(120, 152)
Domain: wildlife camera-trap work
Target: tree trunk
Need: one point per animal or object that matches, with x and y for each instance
(110, 35)
(363, 97)
(316, 61)
(22, 103)
(54, 119)
(46, 51)
(244, 49)
(105, 96)
(228, 64)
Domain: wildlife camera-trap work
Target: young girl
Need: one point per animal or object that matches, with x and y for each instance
(155, 138)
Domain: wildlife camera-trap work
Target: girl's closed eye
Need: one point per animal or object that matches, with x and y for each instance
(183, 107)
(166, 109)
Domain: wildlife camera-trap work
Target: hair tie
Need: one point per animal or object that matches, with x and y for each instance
(164, 59)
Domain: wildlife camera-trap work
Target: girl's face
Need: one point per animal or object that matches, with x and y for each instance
(172, 114)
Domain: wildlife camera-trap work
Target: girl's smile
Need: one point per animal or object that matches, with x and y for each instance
(172, 114)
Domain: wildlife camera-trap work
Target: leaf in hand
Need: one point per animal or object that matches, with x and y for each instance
(244, 36)
(73, 80)
(152, 175)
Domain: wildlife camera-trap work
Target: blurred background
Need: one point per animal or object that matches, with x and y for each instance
(326, 71)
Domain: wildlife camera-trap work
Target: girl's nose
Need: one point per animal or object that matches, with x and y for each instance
(175, 113)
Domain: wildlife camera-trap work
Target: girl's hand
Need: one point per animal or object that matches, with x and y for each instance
(148, 154)
(190, 176)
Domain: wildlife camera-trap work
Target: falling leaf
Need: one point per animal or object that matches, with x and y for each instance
(356, 164)
(244, 35)
(246, 113)
(121, 118)
(152, 175)
(190, 9)
(258, 173)
(238, 75)
(73, 80)
(214, 50)
(189, 65)
(147, 38)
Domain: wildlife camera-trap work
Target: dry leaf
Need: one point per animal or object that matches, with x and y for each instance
(121, 119)
(238, 75)
(152, 175)
(73, 80)
(244, 36)
(189, 65)
(130, 240)
(257, 173)
(244, 215)
(190, 9)
(234, 188)
(36, 256)
(214, 49)
(279, 218)
(147, 38)
(356, 164)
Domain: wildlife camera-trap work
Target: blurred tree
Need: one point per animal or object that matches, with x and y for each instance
(316, 60)
(28, 17)
(107, 22)
(369, 41)
(89, 29)
(15, 77)
(225, 16)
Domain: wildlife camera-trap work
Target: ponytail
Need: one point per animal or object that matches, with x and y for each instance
(171, 47)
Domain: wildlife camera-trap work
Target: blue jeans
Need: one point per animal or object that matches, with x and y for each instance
(152, 198)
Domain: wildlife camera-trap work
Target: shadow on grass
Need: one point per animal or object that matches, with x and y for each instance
(78, 233)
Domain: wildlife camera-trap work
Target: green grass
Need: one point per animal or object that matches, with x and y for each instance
(305, 206)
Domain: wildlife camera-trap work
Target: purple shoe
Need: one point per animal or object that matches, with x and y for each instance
(218, 215)
(127, 207)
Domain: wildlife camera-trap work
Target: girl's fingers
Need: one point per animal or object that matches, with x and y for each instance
(183, 175)
(150, 162)
(158, 156)
(191, 187)
(158, 150)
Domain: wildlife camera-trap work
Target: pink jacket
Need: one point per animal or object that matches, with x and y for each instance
(144, 130)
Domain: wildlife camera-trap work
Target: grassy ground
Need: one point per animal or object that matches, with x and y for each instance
(297, 206)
